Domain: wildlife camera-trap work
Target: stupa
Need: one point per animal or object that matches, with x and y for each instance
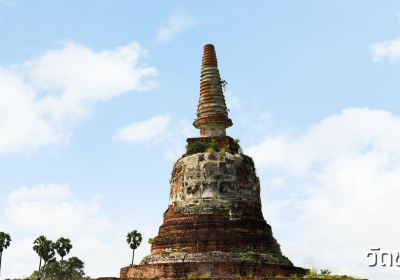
(214, 226)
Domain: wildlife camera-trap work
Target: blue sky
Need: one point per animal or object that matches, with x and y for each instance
(97, 99)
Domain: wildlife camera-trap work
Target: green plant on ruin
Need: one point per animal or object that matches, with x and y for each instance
(192, 190)
(249, 161)
(206, 274)
(150, 240)
(223, 84)
(326, 274)
(223, 150)
(250, 273)
(246, 257)
(214, 146)
(191, 275)
(197, 146)
(207, 145)
(235, 146)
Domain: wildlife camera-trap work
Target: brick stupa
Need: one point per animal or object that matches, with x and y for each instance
(213, 227)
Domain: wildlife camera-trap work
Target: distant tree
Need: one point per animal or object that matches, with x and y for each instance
(46, 251)
(5, 241)
(38, 247)
(63, 246)
(71, 269)
(75, 267)
(325, 272)
(134, 238)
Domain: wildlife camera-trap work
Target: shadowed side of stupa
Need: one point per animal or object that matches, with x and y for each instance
(214, 224)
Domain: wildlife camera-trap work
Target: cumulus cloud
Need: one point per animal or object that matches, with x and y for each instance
(42, 98)
(158, 129)
(340, 192)
(386, 50)
(53, 210)
(174, 25)
(151, 130)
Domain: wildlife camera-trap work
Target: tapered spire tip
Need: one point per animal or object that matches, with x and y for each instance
(212, 113)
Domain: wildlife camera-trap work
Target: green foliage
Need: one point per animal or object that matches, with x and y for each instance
(197, 146)
(63, 246)
(326, 274)
(235, 146)
(211, 145)
(192, 190)
(71, 269)
(5, 241)
(134, 239)
(206, 274)
(223, 84)
(250, 273)
(248, 160)
(150, 240)
(223, 150)
(45, 249)
(214, 146)
(246, 257)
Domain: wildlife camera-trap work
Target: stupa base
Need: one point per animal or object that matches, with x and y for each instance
(210, 270)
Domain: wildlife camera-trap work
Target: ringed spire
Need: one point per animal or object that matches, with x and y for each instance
(212, 113)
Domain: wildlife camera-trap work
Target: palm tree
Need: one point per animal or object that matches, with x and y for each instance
(46, 250)
(5, 241)
(134, 238)
(63, 246)
(38, 247)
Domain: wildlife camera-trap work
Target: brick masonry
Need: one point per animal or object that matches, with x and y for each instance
(213, 227)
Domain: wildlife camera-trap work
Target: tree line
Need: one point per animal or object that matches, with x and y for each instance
(51, 268)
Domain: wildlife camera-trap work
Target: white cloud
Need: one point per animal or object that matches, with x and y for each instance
(232, 102)
(42, 98)
(386, 50)
(174, 25)
(151, 130)
(177, 139)
(53, 211)
(158, 129)
(7, 3)
(341, 190)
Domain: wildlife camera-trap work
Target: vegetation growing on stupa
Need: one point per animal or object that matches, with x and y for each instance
(202, 145)
(326, 274)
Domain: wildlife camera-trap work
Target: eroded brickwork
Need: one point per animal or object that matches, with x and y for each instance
(213, 179)
(208, 270)
(212, 113)
(213, 227)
